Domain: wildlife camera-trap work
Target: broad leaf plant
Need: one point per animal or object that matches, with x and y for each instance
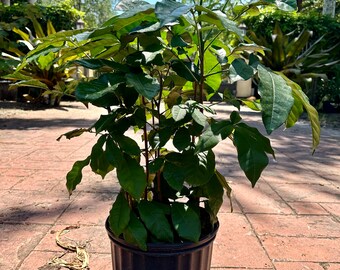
(156, 67)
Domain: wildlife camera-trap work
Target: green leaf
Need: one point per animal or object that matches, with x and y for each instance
(113, 154)
(135, 232)
(178, 112)
(251, 147)
(182, 139)
(177, 41)
(131, 177)
(212, 71)
(219, 19)
(242, 69)
(155, 220)
(101, 91)
(195, 169)
(46, 61)
(276, 99)
(30, 83)
(213, 191)
(74, 176)
(74, 133)
(156, 165)
(186, 222)
(169, 11)
(100, 63)
(174, 174)
(216, 132)
(128, 145)
(199, 117)
(99, 163)
(144, 84)
(119, 215)
(311, 111)
(186, 70)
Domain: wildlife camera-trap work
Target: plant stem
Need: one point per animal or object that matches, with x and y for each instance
(146, 146)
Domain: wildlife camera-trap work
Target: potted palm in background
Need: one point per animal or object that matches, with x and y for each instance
(156, 66)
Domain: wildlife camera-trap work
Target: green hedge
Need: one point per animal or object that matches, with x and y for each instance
(264, 23)
(17, 15)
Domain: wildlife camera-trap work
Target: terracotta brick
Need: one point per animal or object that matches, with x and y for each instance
(291, 225)
(17, 242)
(302, 249)
(88, 208)
(298, 266)
(308, 208)
(261, 199)
(237, 246)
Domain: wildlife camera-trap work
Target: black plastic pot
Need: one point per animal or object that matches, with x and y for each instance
(183, 256)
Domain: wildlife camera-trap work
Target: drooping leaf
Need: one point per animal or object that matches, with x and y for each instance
(276, 99)
(74, 133)
(99, 163)
(186, 222)
(213, 191)
(119, 215)
(131, 177)
(135, 232)
(251, 147)
(155, 220)
(113, 154)
(313, 115)
(74, 176)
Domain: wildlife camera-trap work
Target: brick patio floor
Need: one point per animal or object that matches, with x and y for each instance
(289, 221)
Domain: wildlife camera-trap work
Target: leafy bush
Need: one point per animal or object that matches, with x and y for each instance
(18, 16)
(318, 52)
(264, 24)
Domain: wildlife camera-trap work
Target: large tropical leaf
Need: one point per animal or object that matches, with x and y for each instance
(276, 99)
(302, 99)
(169, 11)
(144, 84)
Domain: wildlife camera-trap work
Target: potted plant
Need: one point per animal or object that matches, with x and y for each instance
(156, 67)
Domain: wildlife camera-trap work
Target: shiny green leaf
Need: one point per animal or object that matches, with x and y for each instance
(276, 99)
(155, 220)
(186, 222)
(74, 176)
(119, 215)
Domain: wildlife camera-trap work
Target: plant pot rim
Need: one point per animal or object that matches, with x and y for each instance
(171, 248)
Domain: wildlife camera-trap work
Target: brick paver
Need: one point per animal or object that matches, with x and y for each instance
(289, 221)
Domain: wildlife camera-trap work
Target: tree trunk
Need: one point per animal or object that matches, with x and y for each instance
(31, 1)
(6, 2)
(299, 5)
(329, 8)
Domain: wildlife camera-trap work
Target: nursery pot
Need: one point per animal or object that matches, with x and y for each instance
(162, 256)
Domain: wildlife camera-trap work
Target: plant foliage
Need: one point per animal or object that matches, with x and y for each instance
(157, 65)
